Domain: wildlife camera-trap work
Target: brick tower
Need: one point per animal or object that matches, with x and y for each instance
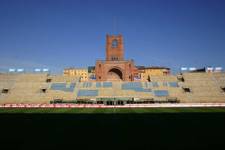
(115, 68)
(114, 48)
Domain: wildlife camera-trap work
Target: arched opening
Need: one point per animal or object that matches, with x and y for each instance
(114, 74)
(114, 43)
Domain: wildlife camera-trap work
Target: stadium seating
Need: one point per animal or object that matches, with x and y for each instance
(136, 86)
(62, 87)
(107, 84)
(161, 93)
(33, 88)
(151, 84)
(167, 78)
(131, 85)
(142, 90)
(71, 88)
(155, 84)
(98, 84)
(165, 84)
(173, 84)
(87, 93)
(87, 84)
(58, 86)
(146, 84)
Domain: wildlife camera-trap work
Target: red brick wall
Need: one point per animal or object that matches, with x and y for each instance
(127, 67)
(114, 52)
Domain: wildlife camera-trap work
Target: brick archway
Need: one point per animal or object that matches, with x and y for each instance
(115, 74)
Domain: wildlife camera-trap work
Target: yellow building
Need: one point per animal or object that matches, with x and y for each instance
(81, 73)
(146, 72)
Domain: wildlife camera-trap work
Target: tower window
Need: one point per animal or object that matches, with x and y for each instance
(114, 43)
(114, 58)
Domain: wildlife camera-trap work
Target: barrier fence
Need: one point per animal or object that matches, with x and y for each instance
(111, 106)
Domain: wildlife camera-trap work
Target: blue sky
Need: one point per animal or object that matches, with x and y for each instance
(71, 33)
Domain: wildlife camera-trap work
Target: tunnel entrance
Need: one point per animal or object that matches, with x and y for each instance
(115, 74)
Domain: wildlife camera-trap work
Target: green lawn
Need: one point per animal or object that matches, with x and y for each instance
(111, 110)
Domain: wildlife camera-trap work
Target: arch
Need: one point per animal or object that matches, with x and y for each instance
(115, 74)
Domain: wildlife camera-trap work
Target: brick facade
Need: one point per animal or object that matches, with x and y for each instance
(115, 68)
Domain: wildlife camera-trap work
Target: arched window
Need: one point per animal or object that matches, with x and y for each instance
(114, 43)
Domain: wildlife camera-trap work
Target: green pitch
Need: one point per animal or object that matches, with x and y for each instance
(112, 110)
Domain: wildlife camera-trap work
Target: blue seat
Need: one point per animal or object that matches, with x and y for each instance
(84, 84)
(87, 93)
(136, 86)
(146, 84)
(155, 84)
(142, 90)
(87, 84)
(173, 84)
(98, 84)
(131, 85)
(107, 84)
(152, 84)
(58, 86)
(165, 84)
(62, 87)
(161, 93)
(71, 88)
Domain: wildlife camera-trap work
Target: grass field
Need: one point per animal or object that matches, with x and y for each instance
(120, 128)
(112, 110)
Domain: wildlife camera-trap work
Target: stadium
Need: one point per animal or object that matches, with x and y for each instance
(137, 74)
(114, 82)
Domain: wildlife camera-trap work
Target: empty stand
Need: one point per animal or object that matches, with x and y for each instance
(151, 84)
(154, 84)
(173, 84)
(161, 93)
(98, 84)
(87, 84)
(87, 93)
(165, 84)
(107, 84)
(34, 88)
(136, 86)
(63, 87)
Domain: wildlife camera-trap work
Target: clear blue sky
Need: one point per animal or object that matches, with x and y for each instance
(71, 33)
